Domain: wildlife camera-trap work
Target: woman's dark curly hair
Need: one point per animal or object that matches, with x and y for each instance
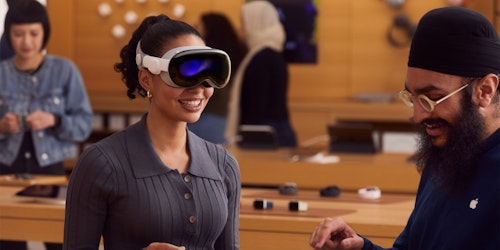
(154, 33)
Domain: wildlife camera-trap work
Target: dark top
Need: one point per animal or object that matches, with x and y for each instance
(466, 220)
(264, 94)
(121, 190)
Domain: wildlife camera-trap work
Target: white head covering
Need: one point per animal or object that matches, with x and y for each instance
(262, 26)
(263, 29)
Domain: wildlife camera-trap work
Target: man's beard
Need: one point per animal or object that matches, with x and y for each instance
(454, 162)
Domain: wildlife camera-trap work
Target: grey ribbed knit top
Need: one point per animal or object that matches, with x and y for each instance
(121, 190)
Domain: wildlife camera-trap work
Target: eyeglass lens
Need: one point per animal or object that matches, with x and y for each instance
(426, 103)
(406, 97)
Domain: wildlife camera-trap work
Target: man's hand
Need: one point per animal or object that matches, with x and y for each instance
(335, 234)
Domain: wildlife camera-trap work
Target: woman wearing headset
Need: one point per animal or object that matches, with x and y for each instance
(156, 185)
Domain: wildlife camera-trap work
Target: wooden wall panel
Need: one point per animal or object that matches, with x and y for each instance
(376, 65)
(62, 19)
(486, 7)
(329, 78)
(354, 55)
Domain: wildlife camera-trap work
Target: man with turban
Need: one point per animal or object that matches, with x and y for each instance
(452, 86)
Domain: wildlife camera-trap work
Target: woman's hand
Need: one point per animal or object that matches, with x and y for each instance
(163, 246)
(335, 234)
(10, 123)
(39, 120)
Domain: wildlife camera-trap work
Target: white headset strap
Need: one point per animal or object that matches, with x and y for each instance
(153, 63)
(139, 55)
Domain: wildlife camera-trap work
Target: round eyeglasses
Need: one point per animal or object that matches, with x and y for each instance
(425, 102)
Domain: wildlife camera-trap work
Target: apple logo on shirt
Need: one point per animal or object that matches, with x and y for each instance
(473, 203)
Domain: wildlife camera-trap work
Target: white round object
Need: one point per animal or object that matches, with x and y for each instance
(118, 31)
(179, 10)
(141, 1)
(119, 1)
(370, 193)
(130, 17)
(163, 1)
(104, 9)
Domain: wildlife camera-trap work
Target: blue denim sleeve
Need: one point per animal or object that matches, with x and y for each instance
(76, 121)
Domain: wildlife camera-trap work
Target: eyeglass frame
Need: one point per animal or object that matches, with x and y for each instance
(407, 98)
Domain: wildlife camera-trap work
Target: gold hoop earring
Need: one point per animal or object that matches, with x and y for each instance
(149, 95)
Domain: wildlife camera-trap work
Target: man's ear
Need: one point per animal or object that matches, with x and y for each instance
(485, 90)
(145, 79)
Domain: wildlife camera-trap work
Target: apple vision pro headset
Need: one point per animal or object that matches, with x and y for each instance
(188, 66)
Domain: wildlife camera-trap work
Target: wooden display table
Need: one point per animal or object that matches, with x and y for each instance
(380, 220)
(30, 179)
(390, 172)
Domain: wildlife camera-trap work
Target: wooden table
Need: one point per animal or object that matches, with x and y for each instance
(31, 179)
(390, 172)
(381, 221)
(274, 229)
(21, 219)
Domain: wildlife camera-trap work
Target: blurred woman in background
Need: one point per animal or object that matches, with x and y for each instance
(219, 33)
(259, 94)
(44, 107)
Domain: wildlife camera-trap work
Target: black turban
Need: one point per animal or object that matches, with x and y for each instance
(455, 41)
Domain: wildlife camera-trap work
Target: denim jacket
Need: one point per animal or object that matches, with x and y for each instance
(56, 87)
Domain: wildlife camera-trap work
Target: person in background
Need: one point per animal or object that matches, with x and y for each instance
(452, 85)
(218, 33)
(259, 93)
(157, 185)
(44, 108)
